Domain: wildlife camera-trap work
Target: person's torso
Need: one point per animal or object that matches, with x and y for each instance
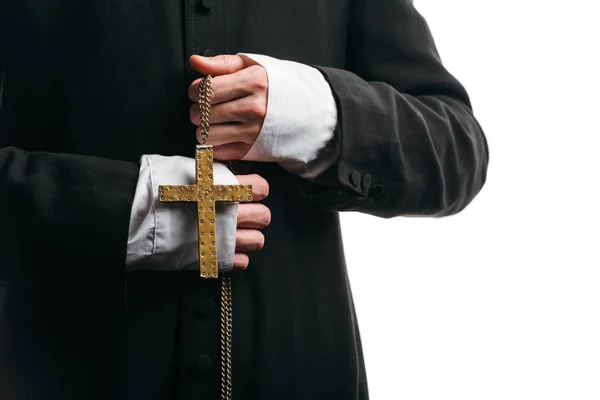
(109, 78)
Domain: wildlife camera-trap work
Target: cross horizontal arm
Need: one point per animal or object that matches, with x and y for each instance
(168, 193)
(241, 193)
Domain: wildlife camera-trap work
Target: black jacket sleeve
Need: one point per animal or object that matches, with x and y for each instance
(408, 141)
(64, 218)
(65, 221)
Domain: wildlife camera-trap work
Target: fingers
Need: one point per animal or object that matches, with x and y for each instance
(218, 65)
(239, 109)
(240, 261)
(239, 105)
(225, 88)
(248, 240)
(220, 134)
(253, 216)
(246, 109)
(231, 151)
(260, 187)
(232, 86)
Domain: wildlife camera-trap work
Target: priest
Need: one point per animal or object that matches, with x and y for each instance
(323, 107)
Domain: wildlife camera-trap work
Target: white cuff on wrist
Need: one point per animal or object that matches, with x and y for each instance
(164, 236)
(300, 121)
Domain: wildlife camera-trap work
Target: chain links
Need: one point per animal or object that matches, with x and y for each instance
(205, 92)
(226, 337)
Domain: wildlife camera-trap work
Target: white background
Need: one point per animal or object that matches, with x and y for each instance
(501, 301)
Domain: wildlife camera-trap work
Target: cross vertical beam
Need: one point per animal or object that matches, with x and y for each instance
(205, 194)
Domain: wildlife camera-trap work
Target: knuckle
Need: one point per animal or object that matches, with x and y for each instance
(266, 217)
(241, 86)
(258, 109)
(259, 81)
(242, 216)
(199, 134)
(193, 90)
(260, 242)
(260, 186)
(243, 150)
(253, 69)
(265, 183)
(228, 60)
(194, 117)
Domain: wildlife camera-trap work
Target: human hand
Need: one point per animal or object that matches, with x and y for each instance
(251, 218)
(239, 103)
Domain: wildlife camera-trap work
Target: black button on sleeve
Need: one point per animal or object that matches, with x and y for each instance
(355, 179)
(376, 191)
(203, 363)
(206, 5)
(206, 308)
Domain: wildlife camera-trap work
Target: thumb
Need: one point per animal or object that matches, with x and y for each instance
(219, 65)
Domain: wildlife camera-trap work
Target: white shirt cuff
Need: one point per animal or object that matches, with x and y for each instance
(298, 131)
(164, 236)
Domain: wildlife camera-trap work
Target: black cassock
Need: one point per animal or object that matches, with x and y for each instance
(89, 86)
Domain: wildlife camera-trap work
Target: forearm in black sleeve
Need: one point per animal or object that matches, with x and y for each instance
(65, 221)
(409, 143)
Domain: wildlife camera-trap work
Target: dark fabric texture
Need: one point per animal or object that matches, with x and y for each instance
(87, 87)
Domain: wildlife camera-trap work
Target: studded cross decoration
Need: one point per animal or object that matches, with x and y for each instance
(205, 194)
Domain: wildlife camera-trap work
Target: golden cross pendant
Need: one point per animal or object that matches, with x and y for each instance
(205, 194)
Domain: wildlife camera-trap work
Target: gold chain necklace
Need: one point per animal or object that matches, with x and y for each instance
(205, 93)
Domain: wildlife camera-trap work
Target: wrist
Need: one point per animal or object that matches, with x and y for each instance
(301, 115)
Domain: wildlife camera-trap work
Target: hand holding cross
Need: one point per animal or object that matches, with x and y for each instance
(205, 193)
